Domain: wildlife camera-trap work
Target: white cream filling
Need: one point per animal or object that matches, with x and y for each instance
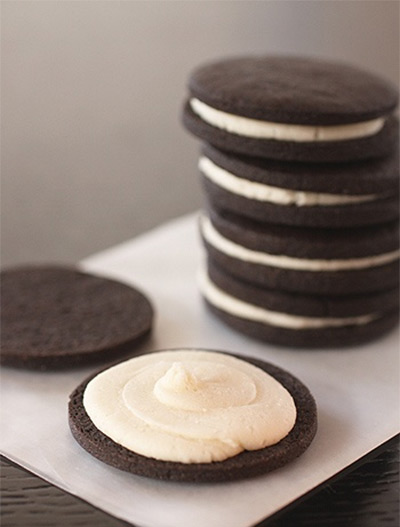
(189, 406)
(234, 250)
(236, 307)
(258, 129)
(268, 193)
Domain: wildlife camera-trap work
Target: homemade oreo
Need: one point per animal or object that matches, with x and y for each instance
(169, 370)
(304, 260)
(59, 317)
(302, 194)
(293, 109)
(297, 320)
(300, 171)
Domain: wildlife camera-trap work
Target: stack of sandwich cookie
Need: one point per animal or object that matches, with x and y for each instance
(300, 169)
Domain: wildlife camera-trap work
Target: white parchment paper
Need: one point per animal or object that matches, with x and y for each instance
(356, 391)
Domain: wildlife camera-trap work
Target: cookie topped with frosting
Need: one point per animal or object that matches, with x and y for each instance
(193, 415)
(292, 108)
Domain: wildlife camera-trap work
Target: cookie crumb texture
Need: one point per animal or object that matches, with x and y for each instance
(57, 317)
(244, 465)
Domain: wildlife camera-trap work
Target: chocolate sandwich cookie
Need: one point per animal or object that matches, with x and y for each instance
(164, 434)
(310, 261)
(292, 108)
(298, 320)
(303, 194)
(58, 317)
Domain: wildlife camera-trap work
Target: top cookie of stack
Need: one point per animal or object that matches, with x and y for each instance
(293, 109)
(307, 150)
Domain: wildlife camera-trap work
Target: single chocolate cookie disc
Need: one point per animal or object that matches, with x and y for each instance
(304, 260)
(246, 464)
(302, 194)
(298, 320)
(58, 317)
(292, 108)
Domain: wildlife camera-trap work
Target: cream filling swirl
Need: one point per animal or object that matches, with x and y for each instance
(189, 406)
(259, 129)
(234, 250)
(277, 195)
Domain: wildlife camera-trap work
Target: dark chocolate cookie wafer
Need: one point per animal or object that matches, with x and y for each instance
(300, 194)
(56, 317)
(292, 108)
(299, 320)
(310, 261)
(244, 465)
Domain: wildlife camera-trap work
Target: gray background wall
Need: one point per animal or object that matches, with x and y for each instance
(93, 151)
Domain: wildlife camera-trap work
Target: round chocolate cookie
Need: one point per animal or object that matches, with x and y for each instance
(302, 194)
(310, 261)
(58, 317)
(292, 108)
(297, 320)
(243, 465)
